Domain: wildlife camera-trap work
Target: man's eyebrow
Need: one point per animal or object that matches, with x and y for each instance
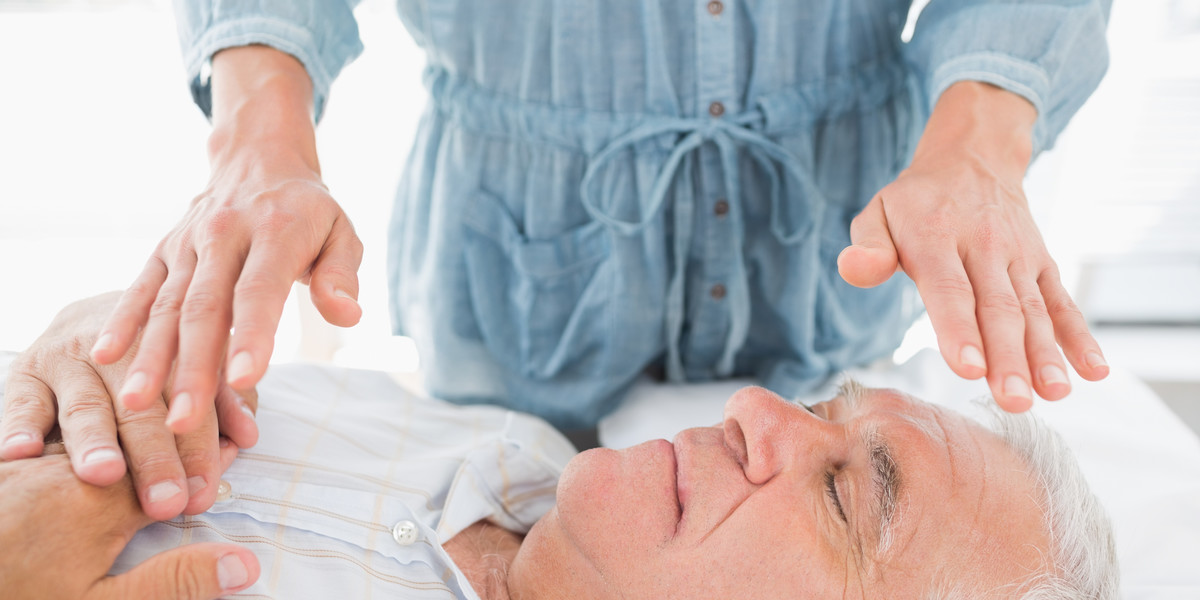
(885, 483)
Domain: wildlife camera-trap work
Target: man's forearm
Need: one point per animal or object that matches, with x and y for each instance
(982, 121)
(262, 102)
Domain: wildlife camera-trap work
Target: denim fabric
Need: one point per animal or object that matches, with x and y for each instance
(576, 207)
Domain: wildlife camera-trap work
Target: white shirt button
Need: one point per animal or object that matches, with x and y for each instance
(405, 533)
(224, 491)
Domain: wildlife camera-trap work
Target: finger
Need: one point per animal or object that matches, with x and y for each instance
(1071, 330)
(871, 259)
(950, 301)
(160, 340)
(1002, 323)
(235, 416)
(193, 572)
(1045, 362)
(228, 451)
(131, 312)
(334, 281)
(258, 301)
(28, 416)
(89, 425)
(204, 322)
(154, 462)
(200, 453)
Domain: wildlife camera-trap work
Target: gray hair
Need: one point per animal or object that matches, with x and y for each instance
(1082, 558)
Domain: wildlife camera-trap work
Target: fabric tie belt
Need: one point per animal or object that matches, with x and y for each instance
(729, 135)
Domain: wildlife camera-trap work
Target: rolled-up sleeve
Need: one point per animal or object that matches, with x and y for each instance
(321, 34)
(1053, 53)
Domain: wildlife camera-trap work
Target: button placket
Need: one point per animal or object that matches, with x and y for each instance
(718, 96)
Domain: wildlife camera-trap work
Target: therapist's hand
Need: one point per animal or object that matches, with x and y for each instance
(957, 222)
(54, 382)
(265, 221)
(61, 537)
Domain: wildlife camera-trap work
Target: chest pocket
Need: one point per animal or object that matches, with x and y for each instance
(544, 306)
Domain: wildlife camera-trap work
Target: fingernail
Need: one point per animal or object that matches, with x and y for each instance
(103, 344)
(163, 490)
(1052, 374)
(972, 357)
(231, 572)
(181, 408)
(344, 294)
(246, 409)
(1015, 387)
(241, 366)
(100, 455)
(18, 438)
(1094, 360)
(195, 484)
(136, 384)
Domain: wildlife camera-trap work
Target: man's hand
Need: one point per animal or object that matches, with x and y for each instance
(61, 537)
(956, 221)
(264, 221)
(56, 382)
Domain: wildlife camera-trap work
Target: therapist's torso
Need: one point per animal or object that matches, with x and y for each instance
(601, 186)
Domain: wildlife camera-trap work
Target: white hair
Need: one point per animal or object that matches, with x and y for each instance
(1082, 558)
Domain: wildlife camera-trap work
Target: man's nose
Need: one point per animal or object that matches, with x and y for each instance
(768, 434)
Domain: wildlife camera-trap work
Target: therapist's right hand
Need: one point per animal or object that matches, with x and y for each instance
(264, 221)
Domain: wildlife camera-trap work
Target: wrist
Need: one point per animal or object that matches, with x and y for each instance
(981, 122)
(262, 105)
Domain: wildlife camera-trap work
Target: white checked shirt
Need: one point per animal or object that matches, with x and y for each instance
(355, 484)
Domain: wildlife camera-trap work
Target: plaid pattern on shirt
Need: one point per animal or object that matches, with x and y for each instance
(347, 457)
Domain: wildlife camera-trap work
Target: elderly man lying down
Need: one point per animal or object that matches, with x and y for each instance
(358, 489)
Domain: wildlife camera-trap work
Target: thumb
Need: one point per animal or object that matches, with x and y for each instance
(334, 280)
(192, 572)
(871, 259)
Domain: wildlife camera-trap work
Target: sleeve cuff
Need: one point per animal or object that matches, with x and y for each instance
(1018, 76)
(281, 35)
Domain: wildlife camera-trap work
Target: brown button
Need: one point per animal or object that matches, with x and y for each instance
(717, 291)
(715, 7)
(716, 109)
(721, 208)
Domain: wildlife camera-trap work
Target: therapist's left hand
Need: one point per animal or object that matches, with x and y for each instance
(61, 537)
(957, 222)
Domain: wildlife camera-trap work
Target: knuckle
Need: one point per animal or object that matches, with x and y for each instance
(276, 222)
(999, 302)
(356, 247)
(184, 578)
(950, 286)
(25, 407)
(1063, 307)
(196, 461)
(256, 286)
(85, 406)
(219, 224)
(1032, 306)
(141, 289)
(166, 305)
(153, 465)
(135, 422)
(204, 305)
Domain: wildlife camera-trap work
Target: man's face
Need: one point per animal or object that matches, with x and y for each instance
(750, 509)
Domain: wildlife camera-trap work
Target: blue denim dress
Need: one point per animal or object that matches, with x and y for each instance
(599, 186)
